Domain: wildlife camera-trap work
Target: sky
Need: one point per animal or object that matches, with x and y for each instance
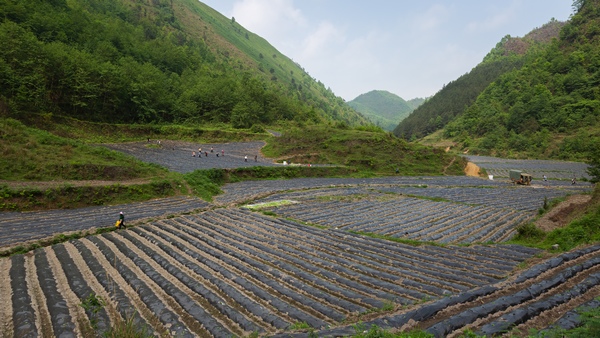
(409, 48)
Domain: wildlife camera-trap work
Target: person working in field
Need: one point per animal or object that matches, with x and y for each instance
(121, 221)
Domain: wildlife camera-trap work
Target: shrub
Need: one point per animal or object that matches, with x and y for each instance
(529, 232)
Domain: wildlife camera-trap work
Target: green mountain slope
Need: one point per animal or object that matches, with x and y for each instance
(550, 107)
(156, 61)
(452, 100)
(382, 108)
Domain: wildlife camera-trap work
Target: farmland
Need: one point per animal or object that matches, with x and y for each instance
(193, 268)
(560, 170)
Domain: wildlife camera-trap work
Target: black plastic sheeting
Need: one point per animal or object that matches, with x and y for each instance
(222, 253)
(520, 315)
(246, 302)
(555, 262)
(62, 323)
(349, 253)
(41, 224)
(80, 287)
(185, 301)
(160, 310)
(213, 299)
(572, 319)
(263, 272)
(23, 313)
(256, 246)
(443, 328)
(123, 304)
(395, 321)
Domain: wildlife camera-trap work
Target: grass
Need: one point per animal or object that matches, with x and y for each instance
(583, 230)
(379, 153)
(374, 331)
(69, 196)
(96, 132)
(30, 154)
(44, 147)
(260, 206)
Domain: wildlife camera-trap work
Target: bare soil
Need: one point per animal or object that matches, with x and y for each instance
(563, 213)
(472, 170)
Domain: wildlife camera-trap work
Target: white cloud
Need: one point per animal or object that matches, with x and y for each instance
(433, 18)
(498, 18)
(271, 19)
(322, 39)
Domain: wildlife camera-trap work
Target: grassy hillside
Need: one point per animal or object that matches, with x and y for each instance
(59, 167)
(159, 61)
(383, 108)
(30, 154)
(371, 152)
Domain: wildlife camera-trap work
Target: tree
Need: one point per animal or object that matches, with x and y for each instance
(594, 165)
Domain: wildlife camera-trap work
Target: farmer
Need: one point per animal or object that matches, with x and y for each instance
(121, 221)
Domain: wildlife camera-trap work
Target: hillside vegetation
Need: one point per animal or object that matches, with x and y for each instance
(370, 152)
(384, 108)
(150, 61)
(452, 100)
(77, 73)
(550, 107)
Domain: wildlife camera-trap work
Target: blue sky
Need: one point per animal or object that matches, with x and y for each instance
(410, 48)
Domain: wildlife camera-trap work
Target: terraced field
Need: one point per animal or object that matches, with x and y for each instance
(543, 297)
(562, 170)
(191, 268)
(233, 272)
(439, 211)
(177, 156)
(18, 227)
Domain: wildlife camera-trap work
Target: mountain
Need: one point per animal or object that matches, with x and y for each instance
(416, 102)
(452, 100)
(383, 108)
(151, 61)
(549, 107)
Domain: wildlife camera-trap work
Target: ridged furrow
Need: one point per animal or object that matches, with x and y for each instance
(261, 285)
(151, 294)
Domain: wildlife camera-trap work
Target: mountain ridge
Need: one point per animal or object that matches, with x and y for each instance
(161, 61)
(384, 108)
(452, 100)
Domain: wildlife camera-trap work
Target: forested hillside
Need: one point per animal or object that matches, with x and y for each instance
(452, 100)
(549, 107)
(383, 108)
(140, 61)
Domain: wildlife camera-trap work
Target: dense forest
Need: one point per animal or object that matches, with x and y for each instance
(550, 106)
(152, 61)
(452, 100)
